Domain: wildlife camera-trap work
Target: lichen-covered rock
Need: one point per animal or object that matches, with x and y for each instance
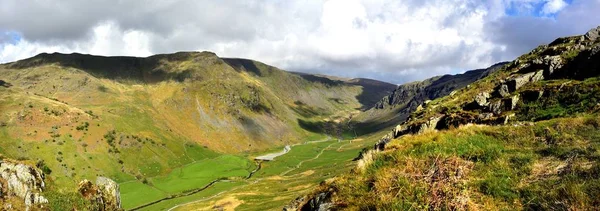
(480, 101)
(23, 181)
(104, 195)
(519, 81)
(496, 107)
(110, 192)
(429, 125)
(503, 90)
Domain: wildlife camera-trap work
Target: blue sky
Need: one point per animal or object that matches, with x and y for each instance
(396, 40)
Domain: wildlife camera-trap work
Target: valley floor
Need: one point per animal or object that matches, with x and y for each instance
(275, 184)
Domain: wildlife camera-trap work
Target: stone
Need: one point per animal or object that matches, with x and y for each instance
(503, 90)
(24, 182)
(398, 131)
(32, 199)
(496, 107)
(519, 81)
(429, 125)
(537, 76)
(479, 102)
(593, 34)
(110, 193)
(485, 116)
(554, 63)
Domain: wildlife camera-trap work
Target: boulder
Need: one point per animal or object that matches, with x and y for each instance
(554, 63)
(496, 107)
(485, 116)
(110, 193)
(480, 101)
(429, 125)
(23, 181)
(593, 34)
(519, 81)
(104, 195)
(503, 90)
(398, 131)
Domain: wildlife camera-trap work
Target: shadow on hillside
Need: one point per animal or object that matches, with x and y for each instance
(366, 128)
(139, 69)
(372, 90)
(252, 128)
(322, 127)
(306, 111)
(243, 64)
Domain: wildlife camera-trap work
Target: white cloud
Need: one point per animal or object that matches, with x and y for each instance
(394, 40)
(553, 6)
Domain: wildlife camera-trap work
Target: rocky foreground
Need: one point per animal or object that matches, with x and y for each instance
(22, 188)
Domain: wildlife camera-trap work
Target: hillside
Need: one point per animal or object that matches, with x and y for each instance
(523, 137)
(406, 98)
(138, 120)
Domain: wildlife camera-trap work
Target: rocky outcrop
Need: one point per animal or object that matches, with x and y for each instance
(408, 97)
(318, 202)
(104, 195)
(22, 181)
(593, 34)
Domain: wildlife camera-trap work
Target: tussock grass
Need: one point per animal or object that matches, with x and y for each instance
(548, 165)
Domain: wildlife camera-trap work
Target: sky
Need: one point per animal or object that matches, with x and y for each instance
(397, 41)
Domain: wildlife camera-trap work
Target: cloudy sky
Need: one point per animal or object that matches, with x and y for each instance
(392, 40)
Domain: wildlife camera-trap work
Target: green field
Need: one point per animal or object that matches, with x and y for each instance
(184, 179)
(279, 181)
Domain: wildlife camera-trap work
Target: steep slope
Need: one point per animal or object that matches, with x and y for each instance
(524, 137)
(406, 98)
(136, 120)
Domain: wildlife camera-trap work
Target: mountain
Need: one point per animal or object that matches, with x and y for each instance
(523, 137)
(406, 98)
(137, 120)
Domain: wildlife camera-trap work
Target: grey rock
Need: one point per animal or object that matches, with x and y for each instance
(110, 193)
(24, 182)
(485, 116)
(429, 125)
(554, 64)
(593, 34)
(519, 81)
(503, 90)
(496, 107)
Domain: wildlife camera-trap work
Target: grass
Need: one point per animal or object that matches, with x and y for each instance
(542, 166)
(184, 179)
(270, 189)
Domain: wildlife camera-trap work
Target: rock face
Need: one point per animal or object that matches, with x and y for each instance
(593, 34)
(408, 97)
(104, 195)
(22, 181)
(319, 202)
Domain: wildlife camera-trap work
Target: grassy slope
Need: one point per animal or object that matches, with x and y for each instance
(156, 119)
(552, 164)
(549, 163)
